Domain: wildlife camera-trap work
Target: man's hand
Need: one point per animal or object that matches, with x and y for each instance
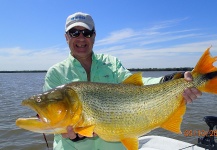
(73, 136)
(190, 94)
(70, 133)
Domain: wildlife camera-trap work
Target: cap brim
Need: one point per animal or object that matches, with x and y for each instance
(79, 24)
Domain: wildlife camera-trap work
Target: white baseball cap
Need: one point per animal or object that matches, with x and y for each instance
(79, 19)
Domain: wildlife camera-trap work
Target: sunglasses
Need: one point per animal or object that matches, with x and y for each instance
(86, 33)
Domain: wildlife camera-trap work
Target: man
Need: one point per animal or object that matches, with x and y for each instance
(84, 65)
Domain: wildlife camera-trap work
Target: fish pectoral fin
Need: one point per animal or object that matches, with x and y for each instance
(85, 131)
(174, 122)
(130, 143)
(135, 79)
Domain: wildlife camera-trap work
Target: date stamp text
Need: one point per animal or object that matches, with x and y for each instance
(200, 133)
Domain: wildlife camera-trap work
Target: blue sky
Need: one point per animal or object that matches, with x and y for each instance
(141, 33)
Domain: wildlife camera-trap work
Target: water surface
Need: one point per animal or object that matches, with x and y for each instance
(14, 87)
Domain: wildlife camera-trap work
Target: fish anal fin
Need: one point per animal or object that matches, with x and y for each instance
(135, 79)
(130, 143)
(174, 122)
(85, 131)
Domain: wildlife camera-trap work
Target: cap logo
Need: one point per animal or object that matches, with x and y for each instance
(74, 19)
(78, 18)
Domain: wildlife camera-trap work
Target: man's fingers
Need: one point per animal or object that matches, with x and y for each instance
(80, 136)
(94, 134)
(191, 94)
(188, 76)
(70, 133)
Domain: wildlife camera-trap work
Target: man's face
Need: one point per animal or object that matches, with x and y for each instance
(80, 46)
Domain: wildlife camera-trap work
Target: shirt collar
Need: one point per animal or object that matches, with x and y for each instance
(74, 60)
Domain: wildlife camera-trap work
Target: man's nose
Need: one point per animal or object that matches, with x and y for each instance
(81, 36)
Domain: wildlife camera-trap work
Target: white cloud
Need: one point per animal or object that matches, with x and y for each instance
(167, 23)
(17, 51)
(22, 59)
(157, 46)
(116, 36)
(183, 55)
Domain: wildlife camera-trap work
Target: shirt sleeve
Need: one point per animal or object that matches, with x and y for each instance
(150, 80)
(124, 73)
(52, 79)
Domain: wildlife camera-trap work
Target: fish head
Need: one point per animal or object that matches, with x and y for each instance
(56, 109)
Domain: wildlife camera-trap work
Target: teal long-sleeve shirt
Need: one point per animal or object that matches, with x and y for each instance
(105, 69)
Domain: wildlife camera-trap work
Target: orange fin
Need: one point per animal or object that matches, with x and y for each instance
(205, 67)
(135, 79)
(130, 143)
(85, 131)
(210, 86)
(205, 63)
(174, 122)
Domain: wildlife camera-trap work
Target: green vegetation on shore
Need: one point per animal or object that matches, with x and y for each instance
(131, 69)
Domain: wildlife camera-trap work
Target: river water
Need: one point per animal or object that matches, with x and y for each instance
(14, 87)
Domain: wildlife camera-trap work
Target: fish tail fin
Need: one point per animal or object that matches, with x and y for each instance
(207, 71)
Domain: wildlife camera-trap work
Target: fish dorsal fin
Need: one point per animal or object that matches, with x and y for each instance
(135, 79)
(130, 143)
(174, 122)
(85, 131)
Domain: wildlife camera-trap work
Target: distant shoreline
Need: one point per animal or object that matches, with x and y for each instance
(131, 69)
(162, 69)
(25, 71)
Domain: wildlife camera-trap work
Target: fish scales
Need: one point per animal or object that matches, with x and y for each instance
(115, 106)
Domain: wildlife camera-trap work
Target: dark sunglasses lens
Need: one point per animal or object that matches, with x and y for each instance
(87, 33)
(74, 33)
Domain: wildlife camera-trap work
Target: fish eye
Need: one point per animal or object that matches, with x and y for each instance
(38, 99)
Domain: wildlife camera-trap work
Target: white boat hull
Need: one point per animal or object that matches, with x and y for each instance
(164, 143)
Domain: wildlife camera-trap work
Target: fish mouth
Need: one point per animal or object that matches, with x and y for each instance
(52, 113)
(33, 124)
(38, 123)
(40, 116)
(42, 119)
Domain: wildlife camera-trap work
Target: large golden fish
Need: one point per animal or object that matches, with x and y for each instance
(118, 112)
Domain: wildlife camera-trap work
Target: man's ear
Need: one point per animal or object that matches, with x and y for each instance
(67, 38)
(94, 37)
